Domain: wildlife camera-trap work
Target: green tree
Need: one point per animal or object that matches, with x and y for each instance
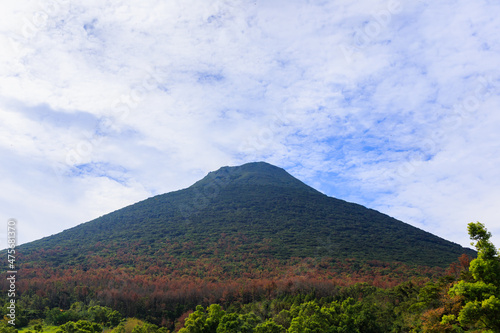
(235, 323)
(196, 321)
(57, 316)
(104, 315)
(81, 326)
(269, 326)
(120, 328)
(6, 328)
(347, 316)
(201, 321)
(482, 295)
(145, 328)
(34, 305)
(114, 318)
(17, 314)
(308, 318)
(215, 314)
(284, 318)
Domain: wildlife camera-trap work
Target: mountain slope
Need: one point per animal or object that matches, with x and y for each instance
(256, 209)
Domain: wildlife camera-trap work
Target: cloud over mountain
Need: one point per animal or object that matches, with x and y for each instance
(386, 103)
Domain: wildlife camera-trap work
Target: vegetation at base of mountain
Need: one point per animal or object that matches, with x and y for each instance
(346, 316)
(463, 300)
(160, 294)
(467, 301)
(361, 306)
(127, 325)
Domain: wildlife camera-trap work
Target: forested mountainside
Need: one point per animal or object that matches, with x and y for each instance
(239, 235)
(258, 209)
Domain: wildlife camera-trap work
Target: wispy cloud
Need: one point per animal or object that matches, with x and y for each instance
(387, 103)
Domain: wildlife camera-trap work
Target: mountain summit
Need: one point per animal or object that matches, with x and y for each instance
(256, 173)
(262, 210)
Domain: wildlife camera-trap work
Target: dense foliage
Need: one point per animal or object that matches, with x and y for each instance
(252, 249)
(255, 210)
(451, 303)
(480, 291)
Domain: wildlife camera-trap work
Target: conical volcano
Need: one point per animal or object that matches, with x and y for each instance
(259, 207)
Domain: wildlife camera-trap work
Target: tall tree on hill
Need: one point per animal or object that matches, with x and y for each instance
(481, 293)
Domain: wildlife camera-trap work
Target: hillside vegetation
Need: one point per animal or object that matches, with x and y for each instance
(241, 235)
(255, 209)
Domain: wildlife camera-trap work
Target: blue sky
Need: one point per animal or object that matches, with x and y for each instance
(389, 104)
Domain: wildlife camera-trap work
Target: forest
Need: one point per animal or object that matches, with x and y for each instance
(301, 295)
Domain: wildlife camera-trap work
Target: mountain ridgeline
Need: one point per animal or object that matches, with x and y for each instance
(256, 209)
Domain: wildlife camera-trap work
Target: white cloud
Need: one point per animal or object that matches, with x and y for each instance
(389, 104)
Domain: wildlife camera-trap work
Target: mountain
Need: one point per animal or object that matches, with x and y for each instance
(239, 235)
(255, 209)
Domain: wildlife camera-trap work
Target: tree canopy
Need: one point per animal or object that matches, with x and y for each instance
(481, 291)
